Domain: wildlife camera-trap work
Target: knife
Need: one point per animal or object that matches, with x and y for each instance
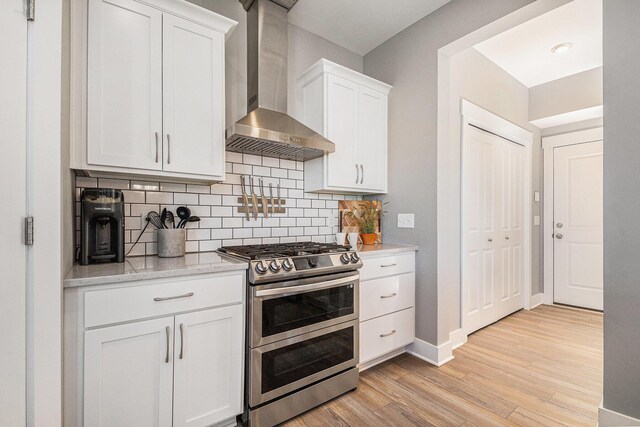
(265, 205)
(278, 201)
(273, 208)
(245, 198)
(254, 198)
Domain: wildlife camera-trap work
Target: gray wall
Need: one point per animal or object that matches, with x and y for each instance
(408, 61)
(492, 88)
(622, 206)
(571, 93)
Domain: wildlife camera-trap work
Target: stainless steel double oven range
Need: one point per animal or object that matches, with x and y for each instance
(302, 327)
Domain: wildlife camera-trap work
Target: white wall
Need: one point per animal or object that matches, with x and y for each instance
(492, 88)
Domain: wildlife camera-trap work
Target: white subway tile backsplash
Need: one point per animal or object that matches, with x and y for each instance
(308, 216)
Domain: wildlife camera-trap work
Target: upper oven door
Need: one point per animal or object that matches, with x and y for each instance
(283, 310)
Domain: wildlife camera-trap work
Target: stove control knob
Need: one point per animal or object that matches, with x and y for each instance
(275, 266)
(287, 264)
(312, 261)
(344, 258)
(261, 268)
(355, 257)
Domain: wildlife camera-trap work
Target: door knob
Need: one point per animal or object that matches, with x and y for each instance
(506, 237)
(490, 240)
(559, 225)
(559, 236)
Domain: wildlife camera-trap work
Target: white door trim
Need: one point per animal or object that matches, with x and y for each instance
(473, 114)
(548, 144)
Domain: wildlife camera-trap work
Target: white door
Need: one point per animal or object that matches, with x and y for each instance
(492, 233)
(128, 374)
(124, 85)
(372, 139)
(342, 129)
(13, 171)
(193, 97)
(577, 218)
(209, 364)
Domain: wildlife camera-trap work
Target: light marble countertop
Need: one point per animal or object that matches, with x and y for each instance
(383, 249)
(150, 267)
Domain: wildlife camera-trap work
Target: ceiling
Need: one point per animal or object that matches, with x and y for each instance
(359, 25)
(525, 51)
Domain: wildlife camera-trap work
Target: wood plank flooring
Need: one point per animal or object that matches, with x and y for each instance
(534, 368)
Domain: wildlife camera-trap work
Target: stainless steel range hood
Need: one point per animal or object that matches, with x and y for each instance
(267, 130)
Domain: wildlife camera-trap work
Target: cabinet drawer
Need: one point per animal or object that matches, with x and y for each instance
(377, 336)
(386, 295)
(106, 306)
(390, 265)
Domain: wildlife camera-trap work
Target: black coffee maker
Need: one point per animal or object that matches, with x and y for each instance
(102, 226)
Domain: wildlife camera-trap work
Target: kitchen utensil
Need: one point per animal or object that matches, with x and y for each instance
(154, 219)
(245, 198)
(353, 240)
(254, 198)
(278, 194)
(340, 238)
(183, 213)
(171, 219)
(163, 217)
(273, 209)
(192, 218)
(265, 205)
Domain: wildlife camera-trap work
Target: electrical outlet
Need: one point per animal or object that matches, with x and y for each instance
(405, 220)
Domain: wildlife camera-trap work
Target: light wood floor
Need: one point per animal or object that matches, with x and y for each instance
(534, 368)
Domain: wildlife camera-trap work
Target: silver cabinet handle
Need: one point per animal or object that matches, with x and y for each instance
(190, 294)
(181, 340)
(169, 149)
(166, 358)
(388, 265)
(388, 334)
(157, 148)
(389, 296)
(357, 174)
(361, 174)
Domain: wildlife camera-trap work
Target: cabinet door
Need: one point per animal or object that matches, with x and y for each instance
(208, 366)
(342, 130)
(124, 85)
(128, 374)
(372, 139)
(193, 90)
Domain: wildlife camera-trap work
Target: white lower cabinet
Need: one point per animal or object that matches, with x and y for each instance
(387, 301)
(182, 368)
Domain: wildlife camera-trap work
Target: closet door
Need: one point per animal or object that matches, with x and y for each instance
(124, 85)
(492, 210)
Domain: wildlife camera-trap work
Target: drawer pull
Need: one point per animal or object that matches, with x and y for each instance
(190, 294)
(388, 334)
(388, 265)
(388, 296)
(166, 358)
(181, 340)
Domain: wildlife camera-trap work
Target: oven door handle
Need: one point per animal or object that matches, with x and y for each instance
(292, 290)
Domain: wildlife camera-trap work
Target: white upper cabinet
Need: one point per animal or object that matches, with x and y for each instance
(350, 109)
(154, 88)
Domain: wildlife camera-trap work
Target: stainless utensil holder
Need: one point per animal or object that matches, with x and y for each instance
(171, 242)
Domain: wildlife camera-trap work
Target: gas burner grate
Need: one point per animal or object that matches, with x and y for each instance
(280, 250)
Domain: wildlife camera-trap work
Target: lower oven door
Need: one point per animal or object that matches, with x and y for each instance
(285, 366)
(283, 310)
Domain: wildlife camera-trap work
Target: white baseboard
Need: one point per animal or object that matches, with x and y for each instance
(384, 358)
(609, 418)
(536, 300)
(436, 355)
(457, 338)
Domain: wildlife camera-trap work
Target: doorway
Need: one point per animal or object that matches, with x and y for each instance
(573, 233)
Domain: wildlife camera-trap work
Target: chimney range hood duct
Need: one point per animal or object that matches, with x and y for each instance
(267, 130)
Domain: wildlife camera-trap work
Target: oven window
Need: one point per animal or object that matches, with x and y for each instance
(296, 361)
(296, 311)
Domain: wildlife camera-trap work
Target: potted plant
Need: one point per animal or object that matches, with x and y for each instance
(367, 218)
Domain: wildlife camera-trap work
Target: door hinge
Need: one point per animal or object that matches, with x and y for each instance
(31, 10)
(28, 231)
